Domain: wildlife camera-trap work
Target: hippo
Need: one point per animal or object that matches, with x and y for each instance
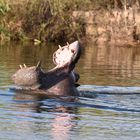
(60, 80)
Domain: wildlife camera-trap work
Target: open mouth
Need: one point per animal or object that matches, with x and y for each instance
(67, 54)
(64, 58)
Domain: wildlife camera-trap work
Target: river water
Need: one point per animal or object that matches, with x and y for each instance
(102, 117)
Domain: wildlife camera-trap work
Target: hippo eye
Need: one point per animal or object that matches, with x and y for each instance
(72, 51)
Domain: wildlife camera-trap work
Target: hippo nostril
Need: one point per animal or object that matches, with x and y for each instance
(72, 50)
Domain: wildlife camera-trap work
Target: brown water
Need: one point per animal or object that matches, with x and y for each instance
(102, 117)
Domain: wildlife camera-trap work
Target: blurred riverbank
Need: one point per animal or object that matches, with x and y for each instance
(102, 21)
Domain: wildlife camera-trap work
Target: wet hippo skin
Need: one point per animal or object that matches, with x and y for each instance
(61, 80)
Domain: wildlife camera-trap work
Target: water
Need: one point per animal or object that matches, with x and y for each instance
(104, 116)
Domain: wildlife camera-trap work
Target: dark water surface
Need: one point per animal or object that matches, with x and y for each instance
(102, 117)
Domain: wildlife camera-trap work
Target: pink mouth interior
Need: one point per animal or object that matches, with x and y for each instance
(63, 56)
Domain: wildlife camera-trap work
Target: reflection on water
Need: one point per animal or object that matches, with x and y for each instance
(110, 65)
(103, 116)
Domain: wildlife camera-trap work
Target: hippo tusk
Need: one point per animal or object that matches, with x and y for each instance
(21, 66)
(68, 45)
(60, 47)
(24, 66)
(38, 64)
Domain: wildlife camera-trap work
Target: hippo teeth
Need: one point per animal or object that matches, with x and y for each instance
(68, 45)
(20, 66)
(60, 47)
(24, 66)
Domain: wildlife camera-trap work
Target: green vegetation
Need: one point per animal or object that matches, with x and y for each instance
(44, 20)
(49, 20)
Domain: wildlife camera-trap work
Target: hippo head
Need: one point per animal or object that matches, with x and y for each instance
(64, 58)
